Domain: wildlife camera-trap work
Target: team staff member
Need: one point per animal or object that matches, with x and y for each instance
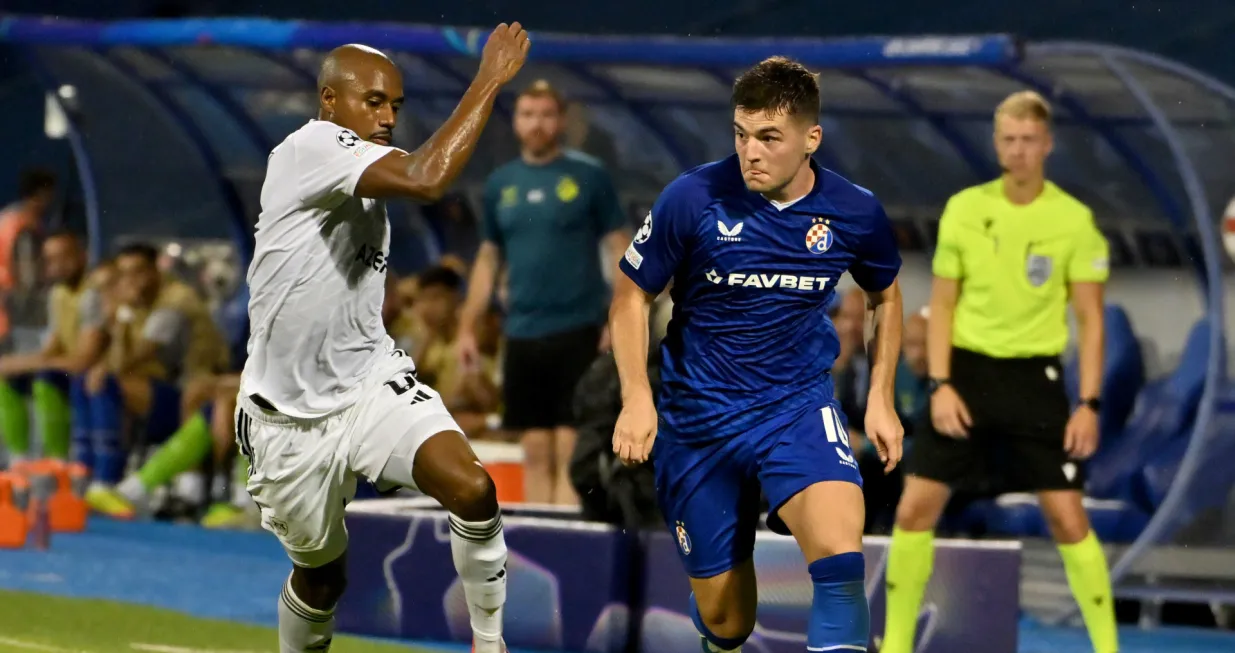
(76, 340)
(20, 224)
(163, 354)
(1010, 256)
(547, 214)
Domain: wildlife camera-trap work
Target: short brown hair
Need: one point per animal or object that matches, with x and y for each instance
(1025, 105)
(778, 85)
(541, 88)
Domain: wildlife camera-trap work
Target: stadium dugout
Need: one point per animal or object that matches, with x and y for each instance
(168, 124)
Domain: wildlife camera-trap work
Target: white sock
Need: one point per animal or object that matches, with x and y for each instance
(479, 552)
(220, 491)
(241, 497)
(190, 487)
(132, 489)
(303, 629)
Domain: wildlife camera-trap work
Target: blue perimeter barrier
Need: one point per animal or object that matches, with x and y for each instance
(580, 586)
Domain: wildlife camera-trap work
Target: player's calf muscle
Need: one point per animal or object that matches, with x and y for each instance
(320, 587)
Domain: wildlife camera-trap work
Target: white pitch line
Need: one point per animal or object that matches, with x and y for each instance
(161, 648)
(35, 646)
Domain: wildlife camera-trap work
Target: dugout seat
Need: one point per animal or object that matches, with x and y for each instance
(1123, 377)
(1150, 484)
(1211, 483)
(1019, 515)
(1163, 411)
(1129, 477)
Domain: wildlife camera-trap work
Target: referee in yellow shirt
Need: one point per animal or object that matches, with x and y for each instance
(1011, 254)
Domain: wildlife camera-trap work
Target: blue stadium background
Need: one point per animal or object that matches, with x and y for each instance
(1145, 138)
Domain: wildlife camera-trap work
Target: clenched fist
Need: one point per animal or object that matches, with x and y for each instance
(504, 52)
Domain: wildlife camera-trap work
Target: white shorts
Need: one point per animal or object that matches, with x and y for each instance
(302, 472)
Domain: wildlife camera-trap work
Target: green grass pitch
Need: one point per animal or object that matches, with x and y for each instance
(37, 623)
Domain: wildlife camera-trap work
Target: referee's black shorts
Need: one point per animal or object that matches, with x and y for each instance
(539, 376)
(1020, 412)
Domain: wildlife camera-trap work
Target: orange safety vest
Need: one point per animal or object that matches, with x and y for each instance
(13, 221)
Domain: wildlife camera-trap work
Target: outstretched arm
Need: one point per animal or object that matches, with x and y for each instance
(426, 173)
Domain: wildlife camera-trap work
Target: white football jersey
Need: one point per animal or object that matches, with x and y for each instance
(318, 277)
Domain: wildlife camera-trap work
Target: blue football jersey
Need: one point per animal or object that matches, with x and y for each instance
(750, 344)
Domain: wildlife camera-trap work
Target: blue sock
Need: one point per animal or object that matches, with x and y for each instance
(83, 450)
(839, 617)
(106, 418)
(721, 643)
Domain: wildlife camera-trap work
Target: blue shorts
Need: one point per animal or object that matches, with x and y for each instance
(164, 418)
(709, 492)
(22, 383)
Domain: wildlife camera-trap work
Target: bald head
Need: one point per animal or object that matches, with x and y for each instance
(342, 64)
(360, 88)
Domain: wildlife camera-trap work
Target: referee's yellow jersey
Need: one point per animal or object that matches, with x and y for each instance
(1014, 263)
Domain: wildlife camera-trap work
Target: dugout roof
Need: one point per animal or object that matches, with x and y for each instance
(1147, 142)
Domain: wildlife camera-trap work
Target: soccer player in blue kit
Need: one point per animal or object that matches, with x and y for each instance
(754, 245)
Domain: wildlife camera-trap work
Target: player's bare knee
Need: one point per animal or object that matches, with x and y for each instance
(1065, 516)
(473, 496)
(921, 504)
(912, 516)
(727, 603)
(1068, 531)
(727, 619)
(321, 587)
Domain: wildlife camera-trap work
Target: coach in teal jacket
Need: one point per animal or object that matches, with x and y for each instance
(547, 214)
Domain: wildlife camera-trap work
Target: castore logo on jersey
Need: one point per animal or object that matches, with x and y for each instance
(729, 234)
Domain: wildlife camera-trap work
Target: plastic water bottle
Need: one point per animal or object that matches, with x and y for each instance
(41, 528)
(19, 492)
(42, 487)
(79, 479)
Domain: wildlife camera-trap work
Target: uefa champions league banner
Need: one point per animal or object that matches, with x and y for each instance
(571, 587)
(971, 604)
(567, 582)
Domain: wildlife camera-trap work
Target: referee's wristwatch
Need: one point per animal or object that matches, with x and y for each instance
(1092, 403)
(934, 384)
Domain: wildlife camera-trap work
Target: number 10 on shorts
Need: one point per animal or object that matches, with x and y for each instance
(834, 427)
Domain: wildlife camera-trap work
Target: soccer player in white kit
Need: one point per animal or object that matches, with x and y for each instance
(325, 397)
